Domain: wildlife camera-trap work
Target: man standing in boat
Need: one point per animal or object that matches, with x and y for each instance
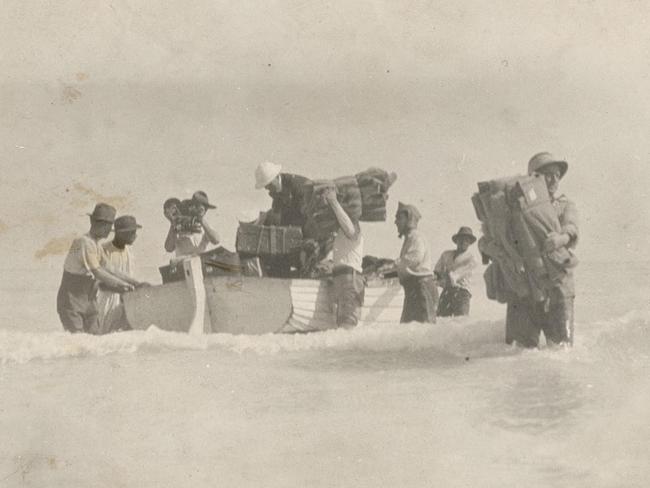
(554, 316)
(414, 269)
(84, 268)
(347, 260)
(190, 242)
(287, 192)
(453, 273)
(119, 258)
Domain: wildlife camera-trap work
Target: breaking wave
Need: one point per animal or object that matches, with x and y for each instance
(624, 336)
(451, 335)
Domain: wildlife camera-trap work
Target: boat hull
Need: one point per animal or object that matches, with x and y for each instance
(252, 305)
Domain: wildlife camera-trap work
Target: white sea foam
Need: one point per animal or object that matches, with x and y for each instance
(459, 336)
(449, 334)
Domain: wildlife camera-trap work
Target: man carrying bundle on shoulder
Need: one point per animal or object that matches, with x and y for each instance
(554, 316)
(414, 269)
(347, 272)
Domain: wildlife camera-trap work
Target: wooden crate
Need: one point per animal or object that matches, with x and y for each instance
(268, 240)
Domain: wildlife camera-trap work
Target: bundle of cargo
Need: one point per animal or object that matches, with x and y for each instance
(321, 220)
(362, 196)
(216, 262)
(374, 184)
(267, 240)
(518, 215)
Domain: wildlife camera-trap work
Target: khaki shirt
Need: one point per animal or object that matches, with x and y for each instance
(568, 215)
(85, 255)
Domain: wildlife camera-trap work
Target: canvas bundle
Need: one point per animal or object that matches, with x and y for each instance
(363, 197)
(321, 218)
(374, 184)
(518, 216)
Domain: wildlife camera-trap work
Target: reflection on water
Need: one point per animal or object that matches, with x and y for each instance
(536, 399)
(358, 360)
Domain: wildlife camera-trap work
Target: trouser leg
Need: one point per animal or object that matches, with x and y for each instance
(445, 303)
(558, 322)
(420, 299)
(72, 321)
(349, 291)
(461, 302)
(523, 323)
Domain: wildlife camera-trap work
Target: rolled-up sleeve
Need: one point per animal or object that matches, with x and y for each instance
(92, 255)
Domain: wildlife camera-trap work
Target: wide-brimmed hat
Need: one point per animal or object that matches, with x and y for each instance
(103, 212)
(464, 232)
(540, 160)
(265, 173)
(202, 198)
(126, 223)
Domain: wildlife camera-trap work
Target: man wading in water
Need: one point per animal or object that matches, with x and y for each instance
(454, 274)
(554, 316)
(84, 268)
(414, 269)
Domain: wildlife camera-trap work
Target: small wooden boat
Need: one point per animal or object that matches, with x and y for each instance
(251, 305)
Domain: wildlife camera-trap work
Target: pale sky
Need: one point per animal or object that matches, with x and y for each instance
(135, 102)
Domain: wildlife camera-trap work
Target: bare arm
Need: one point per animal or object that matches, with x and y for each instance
(213, 237)
(123, 276)
(170, 241)
(106, 277)
(345, 223)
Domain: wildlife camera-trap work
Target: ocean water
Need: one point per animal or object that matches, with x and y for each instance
(444, 405)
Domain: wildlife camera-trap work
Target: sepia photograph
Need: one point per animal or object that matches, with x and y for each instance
(300, 243)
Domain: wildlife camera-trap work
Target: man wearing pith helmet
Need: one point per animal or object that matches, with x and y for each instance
(555, 316)
(287, 192)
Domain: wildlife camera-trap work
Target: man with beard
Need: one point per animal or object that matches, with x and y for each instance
(414, 269)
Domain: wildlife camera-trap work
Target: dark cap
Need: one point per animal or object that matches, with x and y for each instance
(202, 198)
(171, 201)
(103, 212)
(125, 223)
(464, 232)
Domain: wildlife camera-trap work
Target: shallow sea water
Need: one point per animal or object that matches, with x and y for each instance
(404, 405)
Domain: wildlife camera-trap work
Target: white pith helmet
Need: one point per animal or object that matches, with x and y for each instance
(265, 173)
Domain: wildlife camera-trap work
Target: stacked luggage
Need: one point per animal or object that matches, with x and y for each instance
(362, 196)
(517, 216)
